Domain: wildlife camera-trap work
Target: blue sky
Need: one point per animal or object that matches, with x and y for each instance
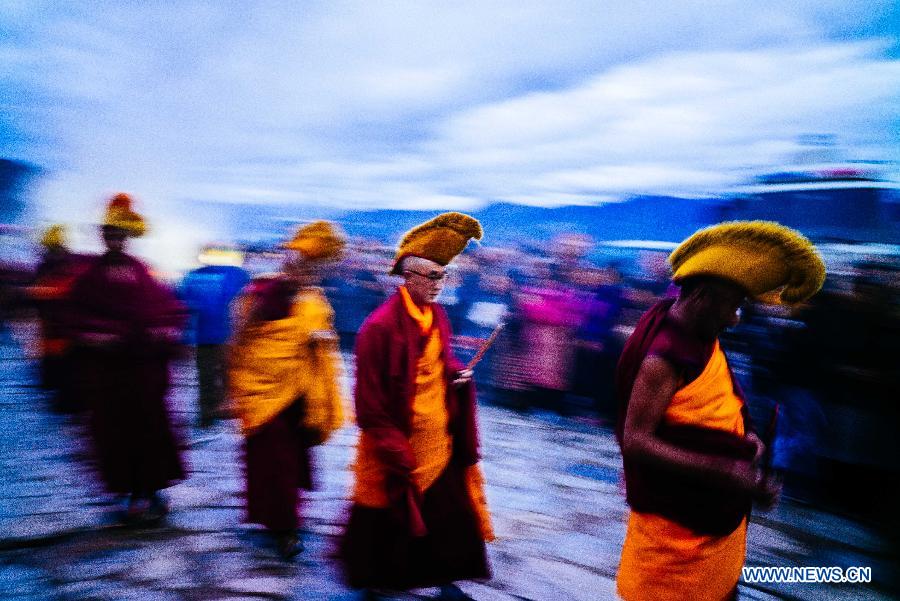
(434, 104)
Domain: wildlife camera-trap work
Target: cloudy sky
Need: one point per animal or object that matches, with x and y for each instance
(435, 104)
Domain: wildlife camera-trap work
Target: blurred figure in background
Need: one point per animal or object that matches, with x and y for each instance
(53, 279)
(284, 379)
(456, 283)
(787, 354)
(208, 293)
(551, 311)
(598, 346)
(486, 304)
(645, 285)
(15, 276)
(419, 515)
(125, 327)
(691, 458)
(354, 292)
(508, 369)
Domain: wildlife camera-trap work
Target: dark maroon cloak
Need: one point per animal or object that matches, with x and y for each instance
(694, 503)
(278, 463)
(419, 541)
(277, 456)
(125, 383)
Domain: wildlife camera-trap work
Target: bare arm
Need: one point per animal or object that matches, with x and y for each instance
(656, 383)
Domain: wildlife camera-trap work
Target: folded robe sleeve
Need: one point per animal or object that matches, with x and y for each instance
(391, 443)
(370, 397)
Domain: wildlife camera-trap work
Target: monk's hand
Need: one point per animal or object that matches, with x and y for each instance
(767, 491)
(463, 377)
(761, 486)
(760, 447)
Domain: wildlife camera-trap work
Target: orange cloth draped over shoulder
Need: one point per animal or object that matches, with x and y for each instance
(662, 560)
(273, 363)
(431, 443)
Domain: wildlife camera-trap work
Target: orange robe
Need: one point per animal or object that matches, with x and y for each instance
(284, 384)
(430, 440)
(662, 560)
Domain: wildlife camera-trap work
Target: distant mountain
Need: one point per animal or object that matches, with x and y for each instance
(643, 218)
(860, 215)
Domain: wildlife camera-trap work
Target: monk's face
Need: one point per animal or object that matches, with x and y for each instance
(299, 270)
(718, 304)
(115, 239)
(424, 279)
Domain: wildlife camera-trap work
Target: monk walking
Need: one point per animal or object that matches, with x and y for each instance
(690, 455)
(50, 291)
(284, 380)
(419, 516)
(124, 327)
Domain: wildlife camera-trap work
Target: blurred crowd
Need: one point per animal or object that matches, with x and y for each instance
(822, 381)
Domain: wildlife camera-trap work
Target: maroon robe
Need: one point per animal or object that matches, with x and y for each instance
(383, 548)
(53, 279)
(277, 456)
(125, 383)
(278, 463)
(694, 503)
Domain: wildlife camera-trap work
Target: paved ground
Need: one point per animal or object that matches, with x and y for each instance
(553, 486)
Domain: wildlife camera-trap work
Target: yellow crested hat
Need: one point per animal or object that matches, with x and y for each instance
(318, 240)
(120, 213)
(54, 237)
(438, 240)
(774, 263)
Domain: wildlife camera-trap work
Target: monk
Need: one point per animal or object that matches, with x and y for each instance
(124, 327)
(419, 516)
(53, 280)
(691, 458)
(284, 379)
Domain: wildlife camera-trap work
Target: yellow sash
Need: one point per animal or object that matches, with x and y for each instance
(423, 317)
(273, 363)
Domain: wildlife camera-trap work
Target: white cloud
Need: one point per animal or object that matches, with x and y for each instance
(379, 104)
(680, 121)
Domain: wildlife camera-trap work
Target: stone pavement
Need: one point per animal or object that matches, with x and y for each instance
(553, 487)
